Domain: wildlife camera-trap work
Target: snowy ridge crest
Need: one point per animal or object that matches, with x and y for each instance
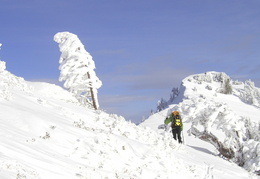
(213, 83)
(223, 112)
(246, 91)
(218, 82)
(210, 77)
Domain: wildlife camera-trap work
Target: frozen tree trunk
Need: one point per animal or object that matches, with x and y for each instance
(92, 95)
(209, 137)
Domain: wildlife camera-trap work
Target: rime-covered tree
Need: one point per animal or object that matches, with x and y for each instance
(161, 105)
(174, 94)
(77, 69)
(224, 79)
(227, 86)
(251, 94)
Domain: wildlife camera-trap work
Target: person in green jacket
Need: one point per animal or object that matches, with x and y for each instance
(176, 124)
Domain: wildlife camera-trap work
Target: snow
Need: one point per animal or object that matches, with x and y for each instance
(228, 117)
(46, 133)
(77, 69)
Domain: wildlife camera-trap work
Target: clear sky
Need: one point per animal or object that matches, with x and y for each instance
(142, 48)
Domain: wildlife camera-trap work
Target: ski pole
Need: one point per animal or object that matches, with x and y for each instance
(182, 136)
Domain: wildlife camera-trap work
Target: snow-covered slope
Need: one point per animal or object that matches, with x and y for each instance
(46, 133)
(232, 118)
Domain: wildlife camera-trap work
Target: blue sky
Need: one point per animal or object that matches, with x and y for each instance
(142, 48)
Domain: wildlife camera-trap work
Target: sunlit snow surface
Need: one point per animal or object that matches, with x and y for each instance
(45, 133)
(227, 116)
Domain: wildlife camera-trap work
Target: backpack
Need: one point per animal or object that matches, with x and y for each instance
(176, 122)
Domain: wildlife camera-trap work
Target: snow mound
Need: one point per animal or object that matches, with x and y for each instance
(9, 81)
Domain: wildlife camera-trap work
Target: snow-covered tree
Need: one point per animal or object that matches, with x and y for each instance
(162, 104)
(174, 94)
(77, 69)
(227, 86)
(225, 81)
(251, 94)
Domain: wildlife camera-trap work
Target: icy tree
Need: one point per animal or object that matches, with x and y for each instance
(227, 86)
(77, 69)
(161, 105)
(251, 94)
(174, 94)
(224, 79)
(239, 139)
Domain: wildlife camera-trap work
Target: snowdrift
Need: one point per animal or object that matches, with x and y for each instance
(46, 133)
(220, 111)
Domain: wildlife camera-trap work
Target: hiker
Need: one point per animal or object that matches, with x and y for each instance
(177, 126)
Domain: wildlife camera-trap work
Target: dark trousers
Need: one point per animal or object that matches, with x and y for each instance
(176, 132)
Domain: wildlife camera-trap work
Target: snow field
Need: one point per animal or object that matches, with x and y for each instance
(46, 133)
